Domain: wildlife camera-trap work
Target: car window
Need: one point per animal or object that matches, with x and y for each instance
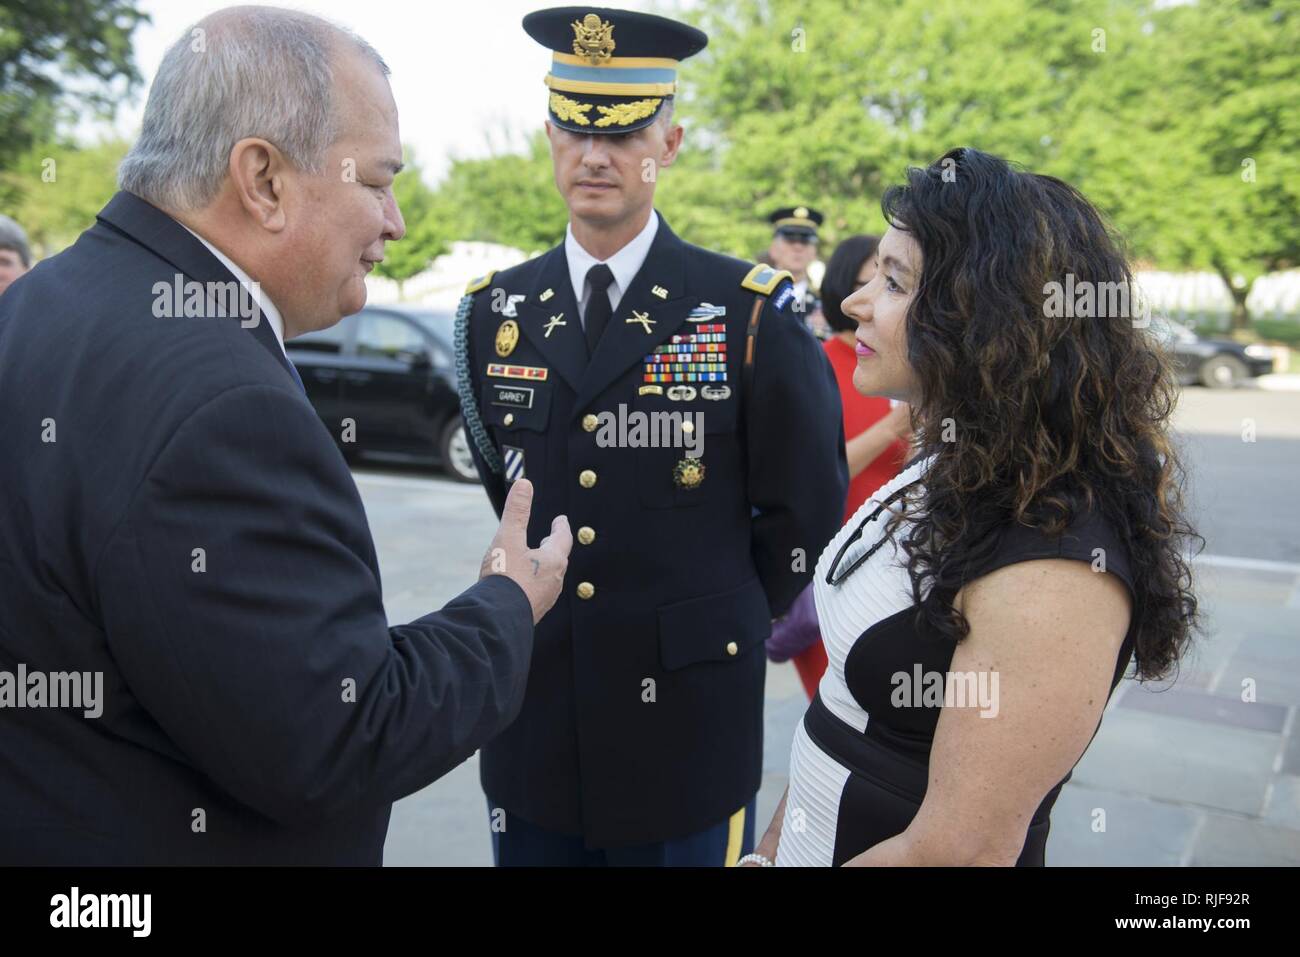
(387, 336)
(321, 340)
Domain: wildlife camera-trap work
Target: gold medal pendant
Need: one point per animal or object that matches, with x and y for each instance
(688, 473)
(507, 337)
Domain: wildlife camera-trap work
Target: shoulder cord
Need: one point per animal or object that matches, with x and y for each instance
(465, 387)
(751, 336)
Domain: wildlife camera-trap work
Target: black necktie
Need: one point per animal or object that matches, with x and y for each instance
(598, 308)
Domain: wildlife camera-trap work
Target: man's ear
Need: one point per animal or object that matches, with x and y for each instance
(672, 143)
(257, 173)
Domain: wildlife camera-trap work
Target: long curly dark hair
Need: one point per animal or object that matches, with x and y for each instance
(1034, 414)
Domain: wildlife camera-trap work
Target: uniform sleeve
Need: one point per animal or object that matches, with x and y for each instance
(798, 474)
(493, 482)
(239, 600)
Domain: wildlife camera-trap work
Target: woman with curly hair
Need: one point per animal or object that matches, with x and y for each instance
(979, 609)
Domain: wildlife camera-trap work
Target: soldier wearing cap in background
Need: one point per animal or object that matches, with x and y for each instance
(794, 249)
(671, 404)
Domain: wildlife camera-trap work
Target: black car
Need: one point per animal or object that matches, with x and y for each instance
(384, 383)
(1215, 363)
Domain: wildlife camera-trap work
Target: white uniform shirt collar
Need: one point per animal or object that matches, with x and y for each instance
(264, 302)
(624, 264)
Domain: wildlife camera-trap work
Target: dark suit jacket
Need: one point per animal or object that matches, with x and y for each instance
(227, 733)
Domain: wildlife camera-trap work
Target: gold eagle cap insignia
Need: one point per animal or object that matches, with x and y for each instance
(593, 38)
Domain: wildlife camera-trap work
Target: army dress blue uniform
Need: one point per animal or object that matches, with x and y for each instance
(640, 740)
(667, 583)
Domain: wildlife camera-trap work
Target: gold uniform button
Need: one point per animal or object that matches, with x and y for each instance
(589, 422)
(509, 419)
(586, 535)
(732, 648)
(586, 590)
(586, 478)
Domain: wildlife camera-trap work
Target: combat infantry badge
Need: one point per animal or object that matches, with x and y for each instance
(593, 38)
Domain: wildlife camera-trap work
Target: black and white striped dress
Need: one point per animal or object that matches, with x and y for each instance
(860, 757)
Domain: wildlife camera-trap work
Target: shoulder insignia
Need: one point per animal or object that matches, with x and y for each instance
(783, 298)
(763, 279)
(481, 283)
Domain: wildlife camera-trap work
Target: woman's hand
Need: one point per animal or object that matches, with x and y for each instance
(768, 845)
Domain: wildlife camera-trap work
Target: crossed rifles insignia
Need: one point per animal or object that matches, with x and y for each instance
(644, 319)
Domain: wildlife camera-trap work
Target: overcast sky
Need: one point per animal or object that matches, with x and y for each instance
(467, 79)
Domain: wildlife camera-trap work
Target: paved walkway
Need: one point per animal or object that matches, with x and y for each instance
(1204, 772)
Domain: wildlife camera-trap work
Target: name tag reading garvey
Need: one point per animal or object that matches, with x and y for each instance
(512, 396)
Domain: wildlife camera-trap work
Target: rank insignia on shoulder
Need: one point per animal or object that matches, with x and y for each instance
(481, 283)
(763, 279)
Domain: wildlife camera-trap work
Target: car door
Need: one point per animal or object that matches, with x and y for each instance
(386, 385)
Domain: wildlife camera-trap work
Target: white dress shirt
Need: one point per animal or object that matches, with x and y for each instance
(264, 303)
(624, 264)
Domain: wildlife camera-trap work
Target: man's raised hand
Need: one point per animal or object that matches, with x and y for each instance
(538, 571)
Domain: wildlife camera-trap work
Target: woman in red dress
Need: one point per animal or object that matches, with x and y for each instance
(876, 436)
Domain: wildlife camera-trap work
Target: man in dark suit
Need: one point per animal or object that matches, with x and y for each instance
(177, 522)
(668, 400)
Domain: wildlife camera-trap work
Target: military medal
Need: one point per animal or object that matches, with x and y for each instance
(507, 337)
(503, 371)
(688, 473)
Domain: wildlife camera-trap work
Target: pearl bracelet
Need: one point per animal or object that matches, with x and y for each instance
(758, 859)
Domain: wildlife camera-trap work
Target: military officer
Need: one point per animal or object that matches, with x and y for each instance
(794, 249)
(667, 400)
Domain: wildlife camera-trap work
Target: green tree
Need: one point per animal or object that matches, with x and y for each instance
(1179, 121)
(57, 55)
(509, 199)
(1203, 137)
(429, 231)
(59, 188)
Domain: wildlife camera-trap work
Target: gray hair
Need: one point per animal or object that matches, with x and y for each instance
(242, 72)
(13, 238)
